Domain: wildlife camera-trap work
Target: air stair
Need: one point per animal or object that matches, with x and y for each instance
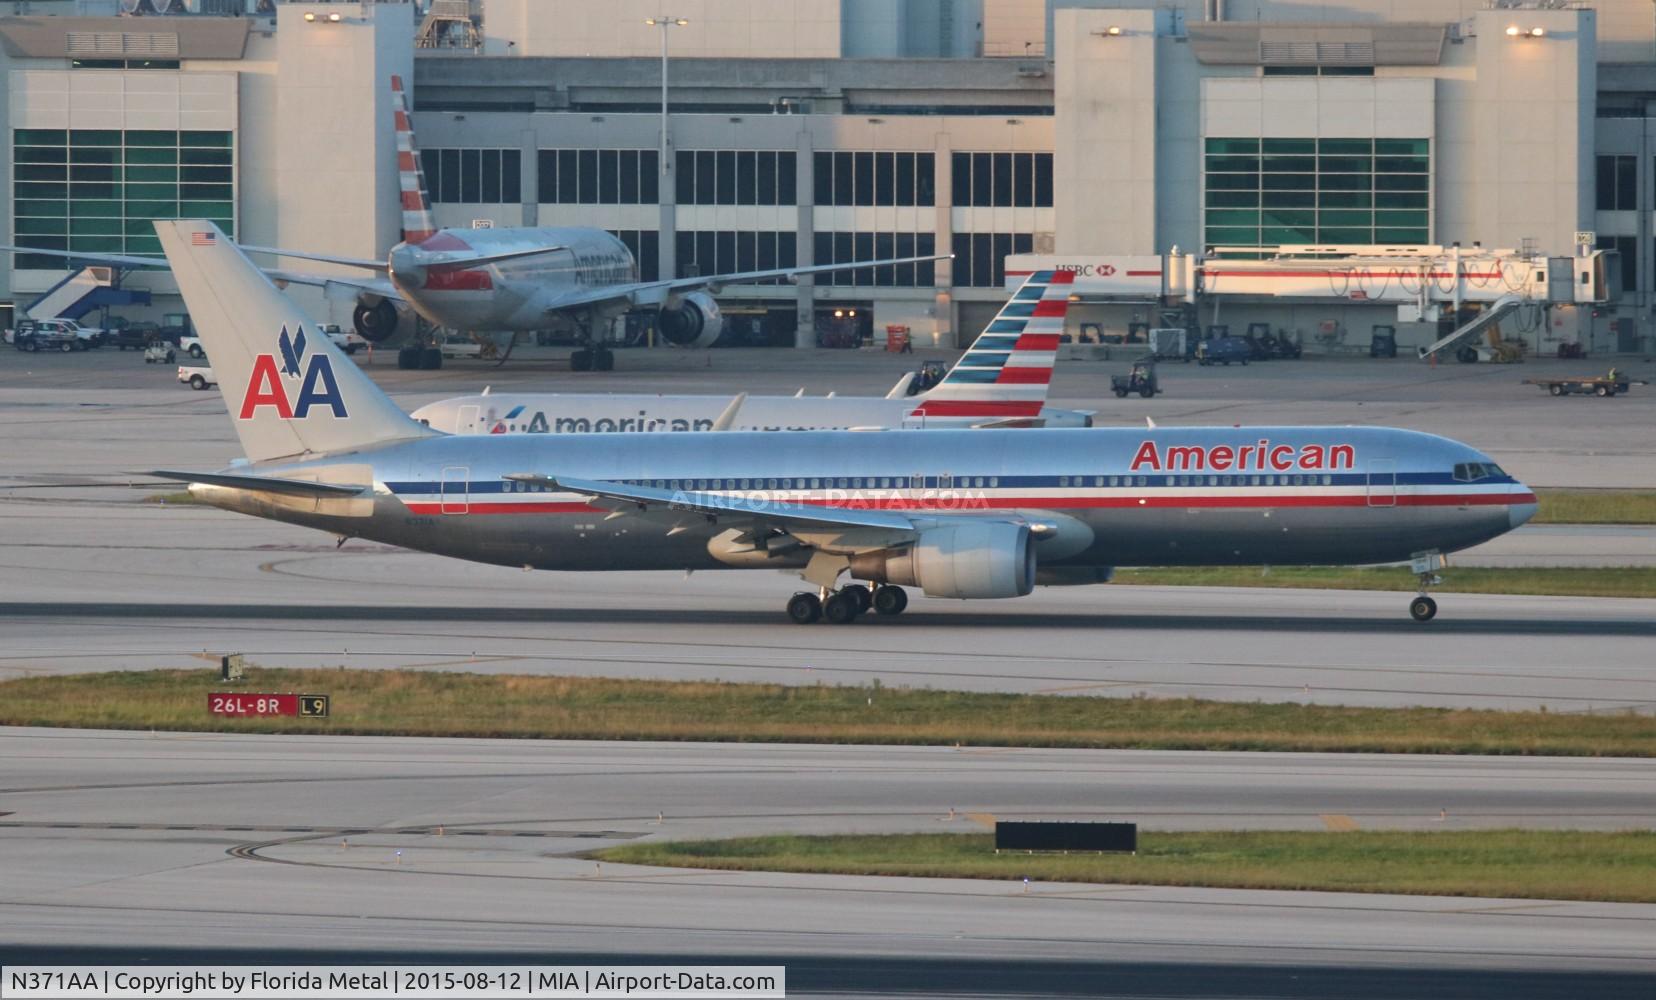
(1491, 314)
(81, 292)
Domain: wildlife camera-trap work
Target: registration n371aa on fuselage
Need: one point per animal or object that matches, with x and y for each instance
(968, 514)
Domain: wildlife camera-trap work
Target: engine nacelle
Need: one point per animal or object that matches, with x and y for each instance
(691, 320)
(376, 323)
(968, 560)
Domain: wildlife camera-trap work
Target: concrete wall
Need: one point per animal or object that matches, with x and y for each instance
(1531, 117)
(336, 174)
(1104, 164)
(732, 29)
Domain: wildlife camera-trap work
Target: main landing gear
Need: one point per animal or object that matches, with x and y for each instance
(844, 606)
(1425, 566)
(592, 359)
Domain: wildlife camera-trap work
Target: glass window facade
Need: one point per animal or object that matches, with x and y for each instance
(1002, 180)
(100, 190)
(1618, 183)
(473, 176)
(645, 245)
(1628, 247)
(596, 177)
(843, 248)
(980, 258)
(732, 251)
(1266, 192)
(875, 178)
(736, 177)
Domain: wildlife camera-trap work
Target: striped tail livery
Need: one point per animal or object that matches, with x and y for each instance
(1006, 373)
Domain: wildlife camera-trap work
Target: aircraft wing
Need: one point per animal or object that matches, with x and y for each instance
(263, 484)
(336, 286)
(649, 294)
(321, 258)
(108, 259)
(625, 497)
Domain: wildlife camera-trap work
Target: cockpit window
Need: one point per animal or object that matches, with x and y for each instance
(1471, 472)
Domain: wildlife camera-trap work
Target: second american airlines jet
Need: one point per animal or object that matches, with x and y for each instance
(1001, 381)
(964, 514)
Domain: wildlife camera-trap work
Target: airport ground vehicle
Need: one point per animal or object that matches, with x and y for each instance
(134, 334)
(197, 377)
(963, 514)
(160, 352)
(191, 345)
(350, 343)
(1223, 350)
(1612, 384)
(51, 335)
(1141, 379)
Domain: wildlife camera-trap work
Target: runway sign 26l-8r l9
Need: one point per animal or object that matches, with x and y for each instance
(246, 704)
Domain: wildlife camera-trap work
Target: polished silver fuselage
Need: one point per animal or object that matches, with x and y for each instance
(1380, 495)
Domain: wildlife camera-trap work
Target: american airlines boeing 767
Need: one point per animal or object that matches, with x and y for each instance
(959, 514)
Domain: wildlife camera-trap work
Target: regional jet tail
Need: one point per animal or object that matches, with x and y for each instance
(1001, 381)
(961, 514)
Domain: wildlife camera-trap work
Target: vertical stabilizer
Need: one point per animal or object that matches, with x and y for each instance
(1007, 371)
(290, 392)
(416, 203)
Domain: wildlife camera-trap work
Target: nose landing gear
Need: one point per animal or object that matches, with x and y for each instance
(1425, 566)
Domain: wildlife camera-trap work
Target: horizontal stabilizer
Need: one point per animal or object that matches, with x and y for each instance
(262, 484)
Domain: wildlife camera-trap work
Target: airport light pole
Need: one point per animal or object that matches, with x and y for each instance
(666, 23)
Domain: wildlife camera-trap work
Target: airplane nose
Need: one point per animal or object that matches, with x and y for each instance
(1518, 513)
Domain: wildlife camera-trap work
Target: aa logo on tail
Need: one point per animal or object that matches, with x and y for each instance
(269, 385)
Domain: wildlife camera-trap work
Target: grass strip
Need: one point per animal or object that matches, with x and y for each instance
(1595, 507)
(429, 703)
(1555, 581)
(1524, 864)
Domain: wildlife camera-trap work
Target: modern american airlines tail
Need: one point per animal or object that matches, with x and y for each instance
(416, 207)
(291, 394)
(1003, 378)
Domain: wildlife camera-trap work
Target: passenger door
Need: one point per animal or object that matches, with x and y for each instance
(456, 489)
(1382, 482)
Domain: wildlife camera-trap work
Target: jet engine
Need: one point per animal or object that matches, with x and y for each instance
(975, 559)
(375, 323)
(691, 320)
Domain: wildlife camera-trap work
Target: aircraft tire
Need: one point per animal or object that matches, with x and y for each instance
(1423, 609)
(431, 358)
(840, 609)
(581, 360)
(804, 608)
(890, 600)
(603, 360)
(406, 358)
(863, 596)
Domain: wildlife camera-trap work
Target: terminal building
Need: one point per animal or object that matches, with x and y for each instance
(818, 131)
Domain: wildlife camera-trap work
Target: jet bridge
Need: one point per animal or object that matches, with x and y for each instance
(1423, 283)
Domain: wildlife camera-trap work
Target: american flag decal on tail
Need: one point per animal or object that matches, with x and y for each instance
(1007, 371)
(203, 239)
(417, 223)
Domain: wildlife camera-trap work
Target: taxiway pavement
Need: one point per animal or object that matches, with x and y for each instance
(94, 585)
(142, 844)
